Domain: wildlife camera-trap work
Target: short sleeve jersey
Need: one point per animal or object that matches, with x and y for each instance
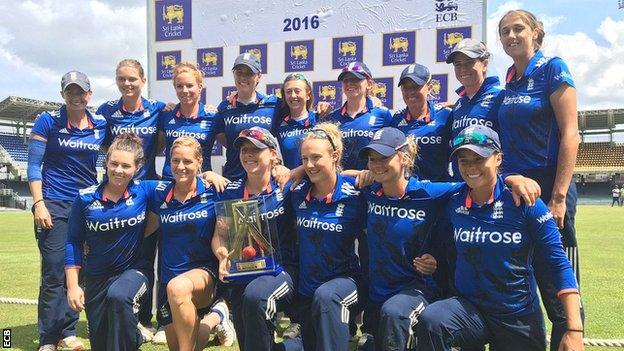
(289, 134)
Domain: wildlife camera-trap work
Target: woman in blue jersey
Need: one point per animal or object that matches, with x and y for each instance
(479, 95)
(185, 213)
(539, 135)
(297, 117)
(429, 124)
(66, 142)
(495, 243)
(329, 216)
(110, 219)
(255, 303)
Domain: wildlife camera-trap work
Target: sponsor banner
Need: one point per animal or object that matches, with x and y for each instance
(346, 50)
(225, 91)
(328, 91)
(173, 19)
(299, 56)
(399, 48)
(259, 51)
(383, 89)
(447, 38)
(210, 61)
(274, 89)
(166, 61)
(439, 87)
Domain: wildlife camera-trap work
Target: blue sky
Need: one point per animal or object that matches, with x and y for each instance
(42, 39)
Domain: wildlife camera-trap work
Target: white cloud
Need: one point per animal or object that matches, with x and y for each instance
(43, 39)
(598, 70)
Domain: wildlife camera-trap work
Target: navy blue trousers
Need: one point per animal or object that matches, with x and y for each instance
(112, 305)
(456, 322)
(255, 306)
(148, 253)
(55, 319)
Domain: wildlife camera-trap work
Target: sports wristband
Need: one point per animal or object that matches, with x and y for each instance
(32, 209)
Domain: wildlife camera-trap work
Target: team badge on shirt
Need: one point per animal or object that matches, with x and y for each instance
(497, 212)
(462, 210)
(339, 210)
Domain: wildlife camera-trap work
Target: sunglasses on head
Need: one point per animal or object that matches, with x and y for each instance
(473, 138)
(258, 135)
(323, 134)
(298, 76)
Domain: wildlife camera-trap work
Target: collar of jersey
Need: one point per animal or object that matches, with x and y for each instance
(422, 119)
(200, 189)
(267, 190)
(144, 106)
(258, 100)
(369, 107)
(201, 111)
(68, 125)
(487, 84)
(304, 122)
(498, 190)
(130, 192)
(334, 196)
(511, 72)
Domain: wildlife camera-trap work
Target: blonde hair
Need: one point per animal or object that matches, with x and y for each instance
(191, 143)
(132, 63)
(129, 142)
(188, 67)
(530, 20)
(410, 152)
(332, 132)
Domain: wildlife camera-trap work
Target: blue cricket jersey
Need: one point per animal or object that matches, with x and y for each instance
(400, 229)
(112, 230)
(481, 109)
(289, 134)
(432, 135)
(358, 131)
(71, 154)
(143, 123)
(186, 229)
(496, 244)
(232, 118)
(327, 230)
(275, 207)
(528, 128)
(201, 127)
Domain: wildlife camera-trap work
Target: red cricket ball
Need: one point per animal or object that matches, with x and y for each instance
(249, 252)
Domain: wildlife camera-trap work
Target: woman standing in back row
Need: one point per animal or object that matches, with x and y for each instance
(539, 136)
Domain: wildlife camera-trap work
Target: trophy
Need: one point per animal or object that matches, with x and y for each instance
(247, 238)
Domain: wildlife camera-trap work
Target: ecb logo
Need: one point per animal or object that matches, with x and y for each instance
(210, 61)
(447, 38)
(299, 56)
(226, 91)
(328, 91)
(274, 89)
(173, 19)
(259, 51)
(439, 88)
(167, 60)
(383, 90)
(446, 10)
(346, 50)
(399, 48)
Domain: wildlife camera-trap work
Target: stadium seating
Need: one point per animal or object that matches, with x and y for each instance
(602, 156)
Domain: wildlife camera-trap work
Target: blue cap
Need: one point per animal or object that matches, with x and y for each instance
(480, 139)
(358, 69)
(386, 141)
(75, 77)
(418, 73)
(249, 60)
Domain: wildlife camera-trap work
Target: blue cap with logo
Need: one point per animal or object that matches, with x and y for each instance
(357, 69)
(419, 74)
(470, 47)
(249, 60)
(480, 139)
(386, 141)
(75, 77)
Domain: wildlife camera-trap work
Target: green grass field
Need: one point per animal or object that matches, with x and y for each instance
(600, 231)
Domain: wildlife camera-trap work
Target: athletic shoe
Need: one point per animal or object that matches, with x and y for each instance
(145, 333)
(160, 337)
(71, 343)
(366, 342)
(47, 347)
(292, 332)
(225, 329)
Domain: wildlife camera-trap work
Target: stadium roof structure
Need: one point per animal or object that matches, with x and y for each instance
(601, 121)
(23, 111)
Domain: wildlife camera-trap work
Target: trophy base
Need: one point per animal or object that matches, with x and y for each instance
(244, 271)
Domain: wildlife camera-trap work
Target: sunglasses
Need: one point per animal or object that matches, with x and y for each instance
(298, 76)
(323, 134)
(258, 135)
(474, 138)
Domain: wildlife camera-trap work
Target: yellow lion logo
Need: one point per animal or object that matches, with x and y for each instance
(169, 61)
(400, 43)
(299, 51)
(379, 89)
(210, 58)
(173, 12)
(450, 39)
(347, 47)
(327, 91)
